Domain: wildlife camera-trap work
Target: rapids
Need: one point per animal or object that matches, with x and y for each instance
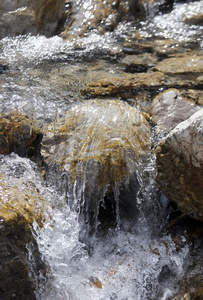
(135, 260)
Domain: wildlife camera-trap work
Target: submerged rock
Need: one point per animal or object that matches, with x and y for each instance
(187, 64)
(20, 204)
(169, 109)
(17, 133)
(34, 17)
(98, 147)
(110, 84)
(179, 165)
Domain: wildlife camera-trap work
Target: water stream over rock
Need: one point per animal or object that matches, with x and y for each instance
(104, 230)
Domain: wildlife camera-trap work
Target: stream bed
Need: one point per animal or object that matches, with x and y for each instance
(131, 258)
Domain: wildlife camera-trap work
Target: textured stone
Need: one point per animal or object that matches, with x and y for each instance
(17, 133)
(101, 15)
(98, 149)
(20, 204)
(169, 109)
(109, 135)
(111, 85)
(180, 165)
(181, 64)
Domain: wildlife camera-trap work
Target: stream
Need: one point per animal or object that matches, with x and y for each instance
(130, 258)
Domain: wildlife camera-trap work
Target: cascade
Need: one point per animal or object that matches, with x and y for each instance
(97, 239)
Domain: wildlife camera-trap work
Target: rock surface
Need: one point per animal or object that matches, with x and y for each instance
(20, 204)
(98, 147)
(181, 64)
(169, 109)
(101, 15)
(34, 17)
(180, 165)
(17, 133)
(110, 84)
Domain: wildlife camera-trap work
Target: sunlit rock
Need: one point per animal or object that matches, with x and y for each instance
(187, 64)
(34, 17)
(169, 109)
(17, 133)
(21, 203)
(98, 147)
(194, 15)
(101, 15)
(179, 165)
(110, 84)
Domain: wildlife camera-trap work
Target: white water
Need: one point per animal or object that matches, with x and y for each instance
(136, 262)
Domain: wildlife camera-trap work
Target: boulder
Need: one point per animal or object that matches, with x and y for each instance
(21, 203)
(98, 148)
(106, 84)
(186, 64)
(180, 165)
(101, 15)
(34, 17)
(17, 133)
(169, 109)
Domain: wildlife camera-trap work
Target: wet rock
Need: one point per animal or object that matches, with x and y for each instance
(35, 17)
(179, 166)
(20, 204)
(190, 63)
(138, 63)
(169, 109)
(191, 288)
(194, 15)
(98, 147)
(193, 96)
(160, 46)
(17, 133)
(101, 15)
(110, 84)
(195, 20)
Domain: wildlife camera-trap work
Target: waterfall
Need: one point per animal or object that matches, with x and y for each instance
(109, 240)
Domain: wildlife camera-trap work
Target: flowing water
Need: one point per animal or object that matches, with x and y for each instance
(135, 260)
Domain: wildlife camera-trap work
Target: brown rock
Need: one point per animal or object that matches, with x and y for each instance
(181, 64)
(17, 133)
(97, 149)
(180, 166)
(111, 85)
(193, 96)
(101, 15)
(20, 204)
(99, 134)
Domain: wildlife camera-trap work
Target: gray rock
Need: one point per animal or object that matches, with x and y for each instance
(180, 165)
(34, 17)
(169, 109)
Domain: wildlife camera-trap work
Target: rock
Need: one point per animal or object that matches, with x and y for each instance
(101, 15)
(109, 84)
(138, 63)
(179, 165)
(98, 147)
(34, 17)
(20, 204)
(181, 64)
(169, 109)
(194, 15)
(193, 96)
(194, 20)
(17, 133)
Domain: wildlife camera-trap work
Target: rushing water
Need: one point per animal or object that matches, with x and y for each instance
(136, 260)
